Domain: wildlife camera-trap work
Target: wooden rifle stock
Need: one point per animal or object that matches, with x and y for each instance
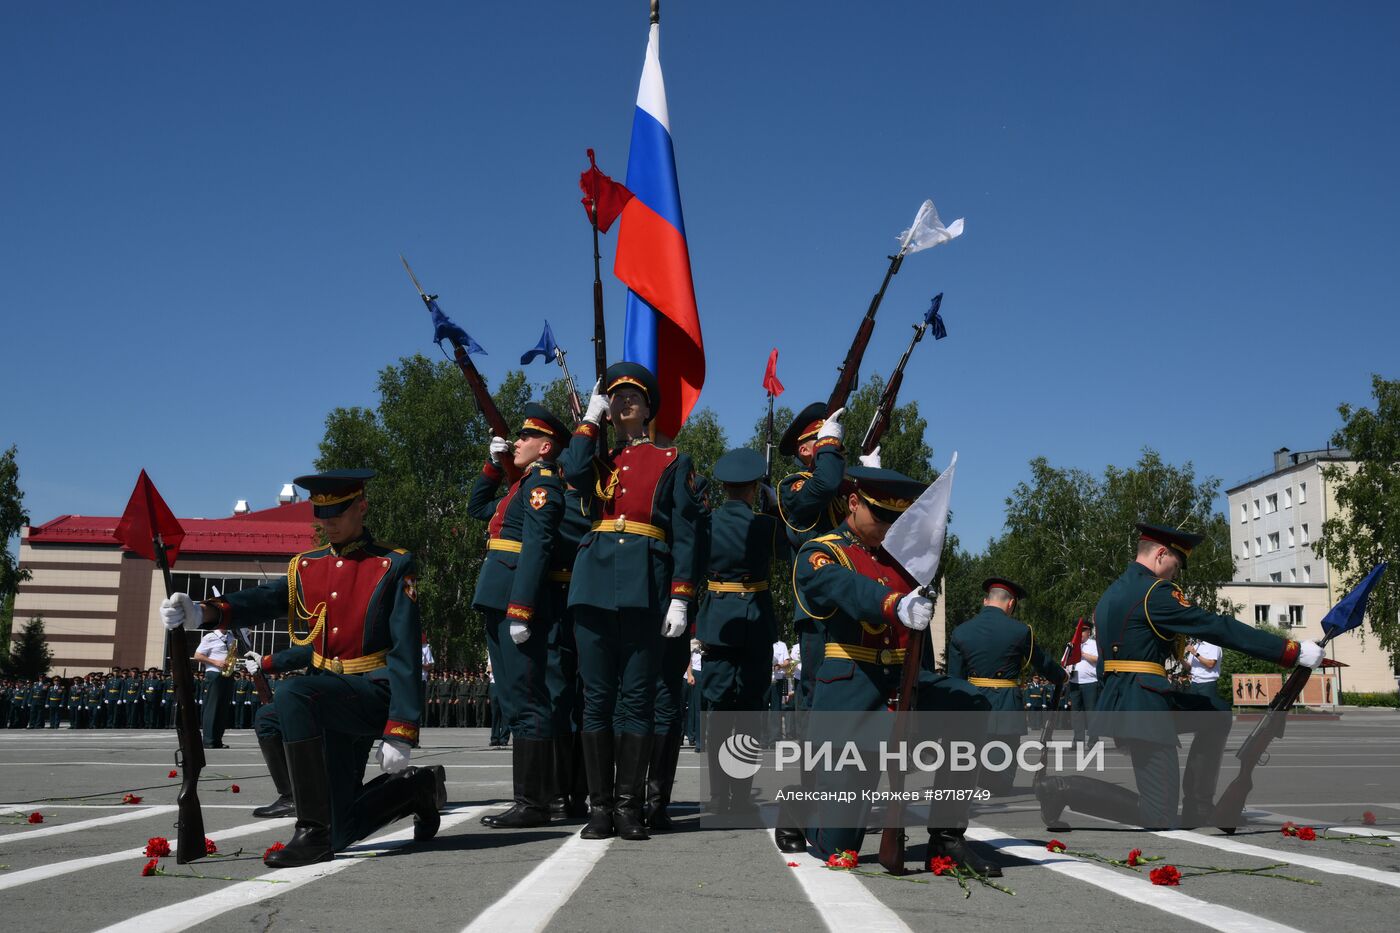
(189, 826)
(850, 367)
(259, 678)
(893, 837)
(485, 403)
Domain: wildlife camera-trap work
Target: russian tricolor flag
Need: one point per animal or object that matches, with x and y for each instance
(662, 330)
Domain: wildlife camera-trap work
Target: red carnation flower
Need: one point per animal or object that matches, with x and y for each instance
(1055, 845)
(1167, 876)
(131, 798)
(157, 846)
(1290, 828)
(173, 773)
(150, 868)
(846, 859)
(940, 864)
(792, 865)
(36, 817)
(275, 847)
(1307, 834)
(234, 788)
(1368, 818)
(1135, 858)
(209, 847)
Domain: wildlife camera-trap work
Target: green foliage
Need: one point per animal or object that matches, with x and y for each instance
(705, 441)
(1237, 662)
(1365, 529)
(1070, 534)
(30, 656)
(1387, 700)
(13, 517)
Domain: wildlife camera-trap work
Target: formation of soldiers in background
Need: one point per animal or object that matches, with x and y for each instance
(126, 698)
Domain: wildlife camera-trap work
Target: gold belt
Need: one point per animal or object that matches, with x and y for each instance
(992, 682)
(503, 544)
(715, 586)
(560, 576)
(1134, 667)
(623, 525)
(360, 665)
(868, 655)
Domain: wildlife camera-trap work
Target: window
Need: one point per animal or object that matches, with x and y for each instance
(1302, 493)
(1307, 573)
(1292, 574)
(1273, 542)
(1244, 511)
(1276, 577)
(1258, 546)
(1290, 535)
(1288, 497)
(1261, 614)
(1305, 533)
(267, 637)
(1256, 508)
(1271, 504)
(1244, 548)
(1295, 616)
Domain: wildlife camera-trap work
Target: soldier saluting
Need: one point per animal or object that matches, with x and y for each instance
(1139, 619)
(633, 580)
(362, 652)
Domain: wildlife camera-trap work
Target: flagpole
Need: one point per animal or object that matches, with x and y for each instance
(655, 12)
(768, 447)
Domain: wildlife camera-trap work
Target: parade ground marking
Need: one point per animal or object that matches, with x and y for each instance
(139, 813)
(1138, 890)
(53, 870)
(185, 914)
(534, 900)
(1315, 862)
(842, 900)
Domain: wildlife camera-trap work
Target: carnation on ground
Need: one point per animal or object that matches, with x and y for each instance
(1167, 876)
(150, 868)
(36, 817)
(1055, 845)
(157, 847)
(940, 864)
(1307, 834)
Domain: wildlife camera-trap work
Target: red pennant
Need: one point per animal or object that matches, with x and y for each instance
(147, 515)
(1074, 651)
(771, 385)
(600, 190)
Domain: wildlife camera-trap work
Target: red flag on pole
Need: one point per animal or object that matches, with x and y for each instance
(1074, 651)
(771, 385)
(146, 516)
(598, 189)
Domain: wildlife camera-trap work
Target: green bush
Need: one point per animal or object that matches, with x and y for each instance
(1390, 700)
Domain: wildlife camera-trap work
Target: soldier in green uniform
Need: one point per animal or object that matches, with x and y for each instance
(167, 701)
(868, 604)
(565, 688)
(131, 699)
(990, 651)
(241, 690)
(512, 596)
(633, 581)
(1139, 620)
(364, 681)
(736, 625)
(53, 702)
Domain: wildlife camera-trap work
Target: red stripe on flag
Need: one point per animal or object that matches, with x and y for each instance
(654, 261)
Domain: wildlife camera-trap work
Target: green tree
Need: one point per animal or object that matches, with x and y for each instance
(705, 441)
(1365, 529)
(30, 656)
(13, 517)
(1069, 534)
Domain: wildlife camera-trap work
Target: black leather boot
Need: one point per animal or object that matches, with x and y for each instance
(788, 830)
(311, 790)
(1087, 795)
(572, 787)
(532, 764)
(951, 844)
(598, 764)
(391, 797)
(661, 779)
(633, 758)
(276, 758)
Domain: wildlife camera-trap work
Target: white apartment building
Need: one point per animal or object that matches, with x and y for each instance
(1279, 579)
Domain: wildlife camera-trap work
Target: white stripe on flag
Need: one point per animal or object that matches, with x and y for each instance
(651, 93)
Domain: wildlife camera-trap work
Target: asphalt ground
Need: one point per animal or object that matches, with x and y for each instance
(80, 868)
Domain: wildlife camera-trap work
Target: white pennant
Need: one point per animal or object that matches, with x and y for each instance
(928, 231)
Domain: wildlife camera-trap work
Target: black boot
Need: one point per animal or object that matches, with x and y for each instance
(633, 757)
(571, 785)
(391, 797)
(1087, 795)
(951, 844)
(598, 764)
(311, 789)
(531, 761)
(276, 758)
(787, 831)
(661, 778)
(427, 806)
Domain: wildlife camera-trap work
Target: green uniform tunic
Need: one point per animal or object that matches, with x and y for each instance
(993, 646)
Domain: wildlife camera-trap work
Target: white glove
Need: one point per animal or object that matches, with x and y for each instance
(831, 427)
(519, 632)
(597, 404)
(179, 610)
(499, 448)
(1310, 654)
(392, 755)
(252, 662)
(871, 459)
(915, 611)
(675, 624)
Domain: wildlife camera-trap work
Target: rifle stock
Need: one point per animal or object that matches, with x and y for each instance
(484, 403)
(893, 837)
(850, 366)
(1229, 809)
(189, 834)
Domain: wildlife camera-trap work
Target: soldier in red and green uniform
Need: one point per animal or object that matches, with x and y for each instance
(358, 600)
(512, 594)
(634, 578)
(1139, 620)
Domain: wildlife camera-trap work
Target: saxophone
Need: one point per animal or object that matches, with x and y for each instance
(231, 662)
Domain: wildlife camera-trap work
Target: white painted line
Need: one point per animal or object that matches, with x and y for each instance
(207, 906)
(532, 903)
(1315, 862)
(53, 870)
(1182, 907)
(137, 813)
(1260, 817)
(841, 900)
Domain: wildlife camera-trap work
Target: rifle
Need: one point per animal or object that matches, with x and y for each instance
(768, 445)
(575, 403)
(1047, 729)
(893, 836)
(1229, 809)
(850, 366)
(484, 402)
(884, 412)
(189, 757)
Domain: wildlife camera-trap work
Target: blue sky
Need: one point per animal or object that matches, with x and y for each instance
(1180, 219)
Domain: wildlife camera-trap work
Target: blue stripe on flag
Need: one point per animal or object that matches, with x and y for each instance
(639, 332)
(651, 170)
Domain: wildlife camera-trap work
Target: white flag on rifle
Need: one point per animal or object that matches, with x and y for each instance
(928, 230)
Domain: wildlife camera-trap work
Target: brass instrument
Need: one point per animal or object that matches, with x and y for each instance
(231, 662)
